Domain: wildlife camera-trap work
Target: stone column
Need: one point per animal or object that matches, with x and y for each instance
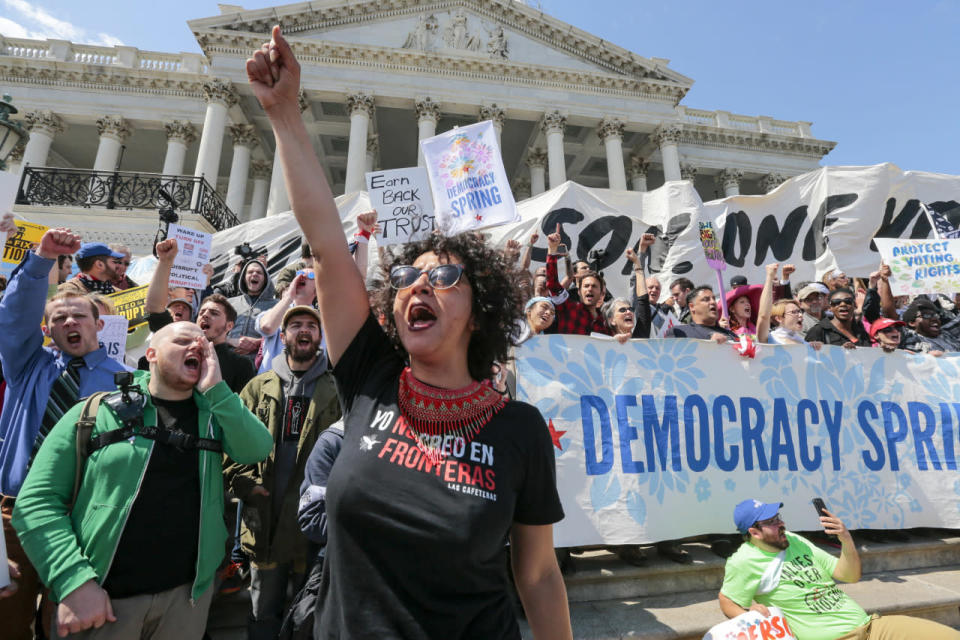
(553, 125)
(180, 135)
(729, 180)
(428, 115)
(537, 161)
(373, 148)
(278, 200)
(521, 189)
(638, 173)
(497, 114)
(610, 130)
(360, 108)
(771, 181)
(244, 140)
(220, 97)
(43, 127)
(668, 139)
(114, 131)
(261, 189)
(688, 172)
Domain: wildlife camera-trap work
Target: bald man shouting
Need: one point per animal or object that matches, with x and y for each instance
(145, 536)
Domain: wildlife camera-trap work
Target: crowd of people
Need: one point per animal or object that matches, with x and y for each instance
(383, 474)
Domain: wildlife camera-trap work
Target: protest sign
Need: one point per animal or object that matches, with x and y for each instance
(715, 259)
(129, 304)
(921, 266)
(17, 245)
(113, 336)
(470, 186)
(668, 320)
(5, 567)
(753, 625)
(404, 204)
(193, 251)
(652, 428)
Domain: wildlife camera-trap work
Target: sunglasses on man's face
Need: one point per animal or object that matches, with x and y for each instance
(310, 274)
(442, 276)
(769, 522)
(836, 302)
(890, 330)
(928, 315)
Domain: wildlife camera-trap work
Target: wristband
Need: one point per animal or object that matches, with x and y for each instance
(363, 239)
(363, 233)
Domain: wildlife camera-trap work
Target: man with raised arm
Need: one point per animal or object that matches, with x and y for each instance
(137, 551)
(42, 384)
(581, 316)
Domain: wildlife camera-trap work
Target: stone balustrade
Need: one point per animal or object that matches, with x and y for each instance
(129, 57)
(759, 124)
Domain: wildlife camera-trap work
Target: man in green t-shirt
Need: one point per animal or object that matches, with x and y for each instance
(777, 568)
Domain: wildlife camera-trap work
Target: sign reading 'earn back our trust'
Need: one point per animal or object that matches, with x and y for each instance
(654, 428)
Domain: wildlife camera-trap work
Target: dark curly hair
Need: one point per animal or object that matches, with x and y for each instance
(497, 304)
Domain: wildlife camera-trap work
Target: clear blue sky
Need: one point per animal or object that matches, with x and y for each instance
(879, 77)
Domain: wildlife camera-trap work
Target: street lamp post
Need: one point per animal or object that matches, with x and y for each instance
(11, 133)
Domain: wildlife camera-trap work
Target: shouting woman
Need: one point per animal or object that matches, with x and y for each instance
(437, 471)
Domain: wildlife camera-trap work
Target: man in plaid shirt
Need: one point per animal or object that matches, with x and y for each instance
(581, 317)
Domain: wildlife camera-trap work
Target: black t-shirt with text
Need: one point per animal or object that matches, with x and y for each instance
(158, 547)
(417, 551)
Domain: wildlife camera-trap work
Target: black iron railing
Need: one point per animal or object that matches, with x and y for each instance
(124, 190)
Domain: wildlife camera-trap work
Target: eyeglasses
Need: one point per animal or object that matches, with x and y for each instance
(928, 315)
(624, 309)
(793, 312)
(891, 330)
(769, 522)
(310, 274)
(836, 302)
(442, 276)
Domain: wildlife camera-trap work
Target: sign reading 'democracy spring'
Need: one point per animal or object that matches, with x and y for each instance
(660, 439)
(921, 266)
(404, 204)
(470, 186)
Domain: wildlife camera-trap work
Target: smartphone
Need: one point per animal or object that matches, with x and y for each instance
(561, 250)
(820, 506)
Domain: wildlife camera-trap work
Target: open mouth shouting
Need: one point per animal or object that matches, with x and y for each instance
(74, 338)
(420, 316)
(192, 365)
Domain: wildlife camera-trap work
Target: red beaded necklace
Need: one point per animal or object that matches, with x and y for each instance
(434, 413)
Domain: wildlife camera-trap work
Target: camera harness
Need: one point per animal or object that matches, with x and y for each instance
(128, 404)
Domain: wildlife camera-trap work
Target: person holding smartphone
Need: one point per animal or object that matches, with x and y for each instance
(775, 567)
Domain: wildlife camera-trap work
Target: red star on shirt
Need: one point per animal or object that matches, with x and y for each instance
(555, 435)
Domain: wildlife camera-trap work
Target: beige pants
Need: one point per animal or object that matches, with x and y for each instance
(167, 615)
(901, 628)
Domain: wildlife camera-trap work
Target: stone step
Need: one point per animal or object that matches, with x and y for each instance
(932, 593)
(603, 576)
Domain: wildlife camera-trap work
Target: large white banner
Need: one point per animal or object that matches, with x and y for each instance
(822, 220)
(659, 439)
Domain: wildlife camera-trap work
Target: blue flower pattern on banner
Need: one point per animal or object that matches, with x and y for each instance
(792, 374)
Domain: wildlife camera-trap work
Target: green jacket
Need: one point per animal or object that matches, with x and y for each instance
(266, 536)
(70, 548)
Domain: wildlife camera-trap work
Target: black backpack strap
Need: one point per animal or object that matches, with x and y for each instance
(85, 425)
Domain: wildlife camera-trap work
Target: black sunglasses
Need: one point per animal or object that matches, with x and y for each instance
(836, 302)
(442, 276)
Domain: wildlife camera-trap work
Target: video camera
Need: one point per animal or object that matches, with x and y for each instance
(244, 250)
(595, 257)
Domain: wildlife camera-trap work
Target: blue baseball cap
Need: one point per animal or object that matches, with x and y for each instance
(749, 512)
(91, 249)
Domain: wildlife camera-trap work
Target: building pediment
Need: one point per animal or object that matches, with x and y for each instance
(482, 31)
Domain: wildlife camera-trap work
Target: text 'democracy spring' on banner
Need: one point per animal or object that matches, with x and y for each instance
(659, 439)
(403, 203)
(470, 186)
(921, 266)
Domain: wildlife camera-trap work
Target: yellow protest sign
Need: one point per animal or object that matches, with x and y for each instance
(130, 304)
(27, 235)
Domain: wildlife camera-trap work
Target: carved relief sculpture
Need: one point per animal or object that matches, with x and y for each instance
(497, 44)
(423, 34)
